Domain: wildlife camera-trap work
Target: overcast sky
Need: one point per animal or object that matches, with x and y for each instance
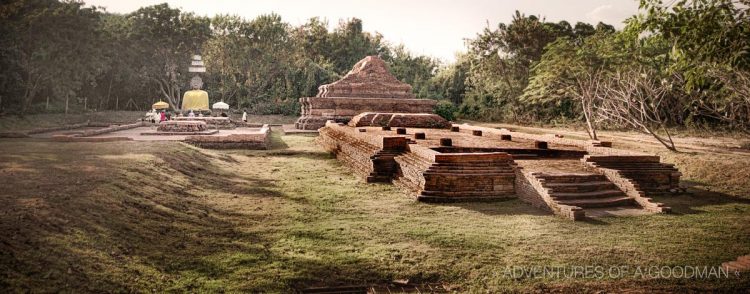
(431, 27)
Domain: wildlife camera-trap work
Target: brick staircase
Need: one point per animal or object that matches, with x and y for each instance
(584, 190)
(650, 175)
(383, 166)
(742, 264)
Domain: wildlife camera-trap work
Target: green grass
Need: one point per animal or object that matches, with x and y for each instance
(140, 216)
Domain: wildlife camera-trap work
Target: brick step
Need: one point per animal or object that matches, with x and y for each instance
(639, 168)
(635, 167)
(586, 195)
(644, 170)
(599, 202)
(470, 168)
(498, 164)
(467, 174)
(645, 174)
(571, 178)
(524, 156)
(644, 163)
(460, 193)
(581, 187)
(472, 164)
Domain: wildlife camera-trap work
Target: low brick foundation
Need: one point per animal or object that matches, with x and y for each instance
(429, 174)
(368, 156)
(212, 121)
(26, 134)
(446, 165)
(182, 126)
(88, 136)
(258, 141)
(66, 138)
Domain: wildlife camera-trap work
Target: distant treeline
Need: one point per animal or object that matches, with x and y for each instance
(682, 64)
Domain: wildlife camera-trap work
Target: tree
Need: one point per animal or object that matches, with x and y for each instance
(450, 81)
(634, 98)
(414, 70)
(700, 36)
(164, 39)
(51, 44)
(350, 43)
(569, 75)
(501, 61)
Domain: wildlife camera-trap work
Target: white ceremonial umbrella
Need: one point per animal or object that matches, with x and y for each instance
(220, 105)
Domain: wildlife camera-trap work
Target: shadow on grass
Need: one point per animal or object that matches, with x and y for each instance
(133, 227)
(696, 197)
(499, 208)
(277, 143)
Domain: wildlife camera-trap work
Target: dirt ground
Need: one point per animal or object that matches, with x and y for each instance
(168, 217)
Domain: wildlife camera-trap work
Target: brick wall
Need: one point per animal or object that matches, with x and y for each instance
(257, 141)
(317, 110)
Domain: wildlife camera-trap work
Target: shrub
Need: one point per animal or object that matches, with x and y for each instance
(446, 109)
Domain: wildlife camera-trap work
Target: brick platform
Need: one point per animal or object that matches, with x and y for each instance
(211, 121)
(255, 141)
(182, 126)
(481, 168)
(431, 175)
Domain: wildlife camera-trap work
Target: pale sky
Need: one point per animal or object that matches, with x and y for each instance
(436, 28)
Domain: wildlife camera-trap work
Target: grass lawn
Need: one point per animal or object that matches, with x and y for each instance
(164, 216)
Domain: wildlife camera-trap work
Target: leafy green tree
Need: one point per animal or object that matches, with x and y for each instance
(164, 38)
(350, 43)
(51, 45)
(450, 81)
(501, 61)
(704, 40)
(414, 70)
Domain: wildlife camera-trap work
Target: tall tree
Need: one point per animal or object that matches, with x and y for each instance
(52, 44)
(164, 39)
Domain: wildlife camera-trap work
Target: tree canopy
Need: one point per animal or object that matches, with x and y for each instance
(61, 54)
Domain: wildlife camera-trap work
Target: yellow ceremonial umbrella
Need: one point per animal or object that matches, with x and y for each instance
(160, 105)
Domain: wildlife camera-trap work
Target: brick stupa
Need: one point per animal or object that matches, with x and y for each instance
(368, 87)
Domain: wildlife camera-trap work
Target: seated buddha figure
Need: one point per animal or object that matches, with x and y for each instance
(195, 99)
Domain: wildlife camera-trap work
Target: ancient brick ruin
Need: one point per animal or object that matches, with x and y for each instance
(368, 87)
(468, 163)
(416, 120)
(252, 141)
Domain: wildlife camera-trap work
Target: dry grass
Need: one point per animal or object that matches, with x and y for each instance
(149, 216)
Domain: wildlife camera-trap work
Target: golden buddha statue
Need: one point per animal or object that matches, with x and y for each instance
(195, 99)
